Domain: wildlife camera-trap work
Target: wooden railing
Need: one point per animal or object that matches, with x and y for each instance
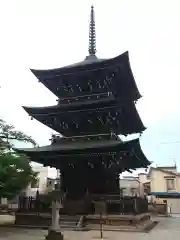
(59, 139)
(92, 97)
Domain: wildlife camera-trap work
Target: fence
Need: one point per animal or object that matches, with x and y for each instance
(133, 205)
(114, 204)
(34, 204)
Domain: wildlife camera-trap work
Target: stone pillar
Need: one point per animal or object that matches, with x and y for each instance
(55, 215)
(54, 232)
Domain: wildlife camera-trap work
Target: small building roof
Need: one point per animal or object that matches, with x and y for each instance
(166, 194)
(167, 167)
(163, 170)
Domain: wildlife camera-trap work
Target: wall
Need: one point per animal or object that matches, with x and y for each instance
(43, 174)
(128, 184)
(142, 179)
(158, 181)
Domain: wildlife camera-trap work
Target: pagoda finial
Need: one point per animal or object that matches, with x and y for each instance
(92, 34)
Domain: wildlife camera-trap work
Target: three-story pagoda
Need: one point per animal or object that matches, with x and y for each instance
(96, 103)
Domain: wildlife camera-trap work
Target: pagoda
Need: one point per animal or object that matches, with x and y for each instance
(96, 104)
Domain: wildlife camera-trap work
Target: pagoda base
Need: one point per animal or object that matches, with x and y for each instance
(54, 235)
(128, 223)
(116, 220)
(109, 222)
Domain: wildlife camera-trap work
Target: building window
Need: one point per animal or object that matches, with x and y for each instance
(170, 184)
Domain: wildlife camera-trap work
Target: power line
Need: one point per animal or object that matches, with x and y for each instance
(175, 142)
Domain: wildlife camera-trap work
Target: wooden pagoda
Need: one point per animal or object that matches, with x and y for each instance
(96, 104)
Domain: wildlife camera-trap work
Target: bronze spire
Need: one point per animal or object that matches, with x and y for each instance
(92, 34)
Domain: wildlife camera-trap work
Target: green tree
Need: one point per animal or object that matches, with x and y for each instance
(8, 133)
(15, 174)
(15, 169)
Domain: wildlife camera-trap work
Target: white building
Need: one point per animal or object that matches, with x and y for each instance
(130, 186)
(134, 185)
(41, 184)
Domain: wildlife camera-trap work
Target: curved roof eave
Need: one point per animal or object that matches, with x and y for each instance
(77, 146)
(141, 160)
(95, 62)
(34, 113)
(44, 110)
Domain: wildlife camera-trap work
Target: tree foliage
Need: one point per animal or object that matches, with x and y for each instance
(15, 169)
(15, 174)
(8, 133)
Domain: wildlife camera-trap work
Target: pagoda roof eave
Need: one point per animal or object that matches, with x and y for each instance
(58, 107)
(89, 145)
(51, 78)
(95, 63)
(69, 147)
(57, 151)
(120, 125)
(41, 114)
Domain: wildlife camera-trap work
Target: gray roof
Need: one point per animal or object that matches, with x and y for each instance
(91, 61)
(88, 60)
(73, 146)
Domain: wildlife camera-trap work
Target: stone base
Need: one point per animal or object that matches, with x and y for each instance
(54, 235)
(117, 220)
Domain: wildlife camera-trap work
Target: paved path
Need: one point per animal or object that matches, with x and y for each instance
(167, 229)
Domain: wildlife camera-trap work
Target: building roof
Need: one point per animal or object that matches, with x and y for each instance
(163, 170)
(168, 167)
(166, 194)
(90, 63)
(71, 107)
(129, 179)
(89, 119)
(129, 151)
(118, 69)
(68, 144)
(71, 146)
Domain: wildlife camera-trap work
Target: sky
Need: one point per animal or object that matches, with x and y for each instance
(44, 34)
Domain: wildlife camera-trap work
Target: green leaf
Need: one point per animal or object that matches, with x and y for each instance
(15, 170)
(15, 174)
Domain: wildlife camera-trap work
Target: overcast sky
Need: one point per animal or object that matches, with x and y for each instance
(52, 33)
